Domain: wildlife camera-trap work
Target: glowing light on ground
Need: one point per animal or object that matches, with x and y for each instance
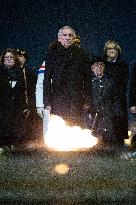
(61, 168)
(61, 137)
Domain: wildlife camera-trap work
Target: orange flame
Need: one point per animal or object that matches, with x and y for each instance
(61, 137)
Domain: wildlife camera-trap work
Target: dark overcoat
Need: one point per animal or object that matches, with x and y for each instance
(103, 94)
(23, 105)
(18, 100)
(67, 82)
(120, 72)
(5, 107)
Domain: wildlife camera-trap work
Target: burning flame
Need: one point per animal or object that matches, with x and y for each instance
(61, 137)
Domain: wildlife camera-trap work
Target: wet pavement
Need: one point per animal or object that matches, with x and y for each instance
(88, 177)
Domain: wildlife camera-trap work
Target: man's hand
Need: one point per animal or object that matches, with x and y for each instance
(40, 111)
(133, 109)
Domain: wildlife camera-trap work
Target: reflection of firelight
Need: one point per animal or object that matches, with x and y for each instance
(61, 168)
(61, 137)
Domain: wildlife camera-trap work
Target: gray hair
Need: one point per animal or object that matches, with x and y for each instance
(66, 27)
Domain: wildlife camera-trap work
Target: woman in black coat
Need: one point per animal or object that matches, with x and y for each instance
(8, 70)
(119, 70)
(21, 97)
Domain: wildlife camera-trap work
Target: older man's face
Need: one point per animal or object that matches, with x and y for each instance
(66, 38)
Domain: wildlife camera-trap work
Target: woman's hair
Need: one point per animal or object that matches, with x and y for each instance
(111, 44)
(14, 53)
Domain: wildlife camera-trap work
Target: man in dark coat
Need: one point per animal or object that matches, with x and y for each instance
(119, 70)
(103, 94)
(67, 78)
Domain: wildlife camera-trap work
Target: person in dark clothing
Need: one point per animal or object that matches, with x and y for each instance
(119, 70)
(8, 78)
(66, 85)
(27, 86)
(21, 95)
(103, 94)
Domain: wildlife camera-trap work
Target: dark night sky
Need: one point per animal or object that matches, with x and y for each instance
(33, 24)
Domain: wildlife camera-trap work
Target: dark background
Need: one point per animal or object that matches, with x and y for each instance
(33, 24)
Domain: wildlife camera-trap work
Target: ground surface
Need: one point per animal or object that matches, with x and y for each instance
(94, 177)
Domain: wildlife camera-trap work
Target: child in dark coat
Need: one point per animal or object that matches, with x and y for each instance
(103, 94)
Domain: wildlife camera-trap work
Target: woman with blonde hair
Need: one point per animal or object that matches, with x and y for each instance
(119, 70)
